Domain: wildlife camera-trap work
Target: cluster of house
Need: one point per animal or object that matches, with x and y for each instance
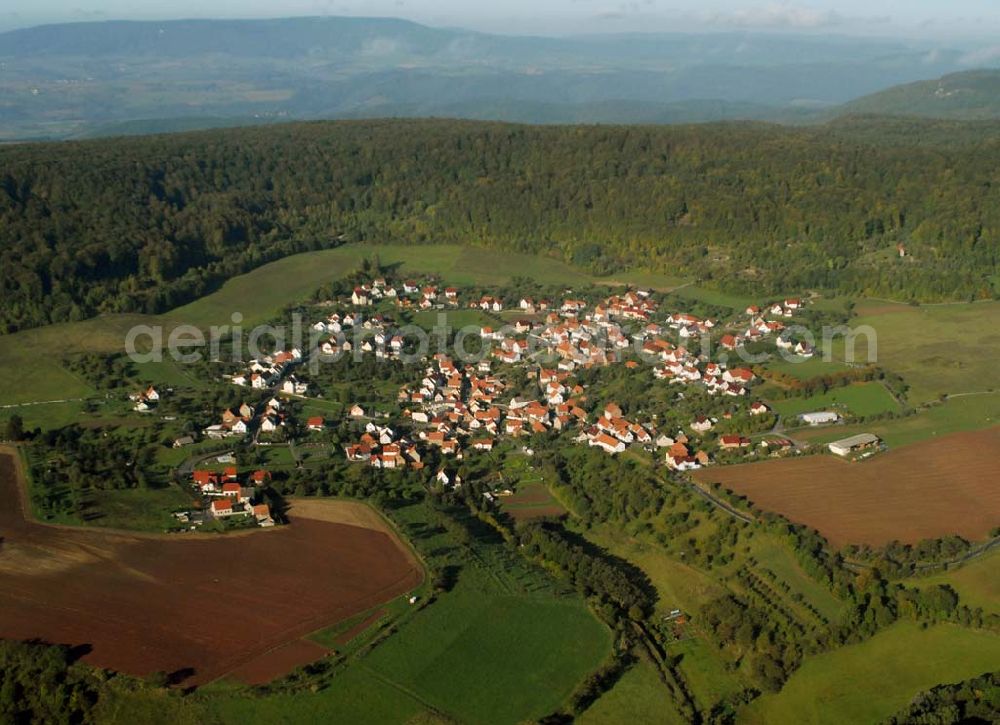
(450, 408)
(375, 334)
(759, 327)
(146, 400)
(244, 419)
(227, 496)
(410, 294)
(612, 432)
(454, 407)
(267, 371)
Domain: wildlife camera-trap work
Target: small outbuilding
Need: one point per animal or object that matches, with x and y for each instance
(820, 417)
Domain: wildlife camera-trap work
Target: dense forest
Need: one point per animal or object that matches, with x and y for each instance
(144, 224)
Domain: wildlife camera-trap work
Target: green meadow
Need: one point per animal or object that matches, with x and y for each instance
(867, 682)
(938, 349)
(493, 658)
(976, 582)
(805, 368)
(861, 399)
(637, 697)
(965, 413)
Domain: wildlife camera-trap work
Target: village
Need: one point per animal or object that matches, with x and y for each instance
(458, 405)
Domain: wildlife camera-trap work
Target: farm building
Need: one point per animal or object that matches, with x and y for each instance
(819, 418)
(847, 446)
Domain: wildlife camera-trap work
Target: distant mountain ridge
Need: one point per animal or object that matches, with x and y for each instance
(60, 81)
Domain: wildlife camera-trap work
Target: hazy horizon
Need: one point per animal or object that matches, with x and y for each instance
(893, 18)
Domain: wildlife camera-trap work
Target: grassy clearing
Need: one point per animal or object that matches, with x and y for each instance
(775, 555)
(137, 509)
(715, 297)
(805, 368)
(867, 682)
(47, 415)
(704, 672)
(155, 707)
(638, 697)
(967, 413)
(680, 586)
(936, 348)
(977, 582)
(140, 509)
(30, 361)
(862, 399)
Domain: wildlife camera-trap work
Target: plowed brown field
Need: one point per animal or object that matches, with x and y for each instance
(199, 604)
(947, 486)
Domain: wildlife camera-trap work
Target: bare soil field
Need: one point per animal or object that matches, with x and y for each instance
(198, 605)
(927, 490)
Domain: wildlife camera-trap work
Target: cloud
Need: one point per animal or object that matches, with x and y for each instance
(982, 56)
(778, 15)
(631, 8)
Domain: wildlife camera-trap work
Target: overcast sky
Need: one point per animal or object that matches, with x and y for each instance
(934, 18)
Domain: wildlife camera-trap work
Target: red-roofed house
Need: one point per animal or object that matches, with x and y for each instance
(222, 507)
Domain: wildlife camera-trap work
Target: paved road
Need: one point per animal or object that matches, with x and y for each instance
(184, 469)
(718, 503)
(43, 402)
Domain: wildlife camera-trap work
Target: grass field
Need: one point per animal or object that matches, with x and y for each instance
(356, 695)
(976, 582)
(862, 399)
(867, 682)
(261, 293)
(936, 348)
(705, 672)
(805, 368)
(716, 297)
(454, 319)
(638, 697)
(776, 556)
(966, 413)
(680, 586)
(139, 509)
(497, 658)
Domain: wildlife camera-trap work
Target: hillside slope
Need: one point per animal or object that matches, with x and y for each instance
(972, 95)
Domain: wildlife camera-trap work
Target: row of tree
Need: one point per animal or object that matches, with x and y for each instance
(144, 224)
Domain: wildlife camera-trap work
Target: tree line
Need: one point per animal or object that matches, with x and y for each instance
(145, 224)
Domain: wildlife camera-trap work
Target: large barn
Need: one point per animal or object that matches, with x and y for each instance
(859, 442)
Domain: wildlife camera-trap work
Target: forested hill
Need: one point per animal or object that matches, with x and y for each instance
(969, 95)
(148, 223)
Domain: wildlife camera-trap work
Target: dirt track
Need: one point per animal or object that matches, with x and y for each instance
(946, 486)
(204, 604)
